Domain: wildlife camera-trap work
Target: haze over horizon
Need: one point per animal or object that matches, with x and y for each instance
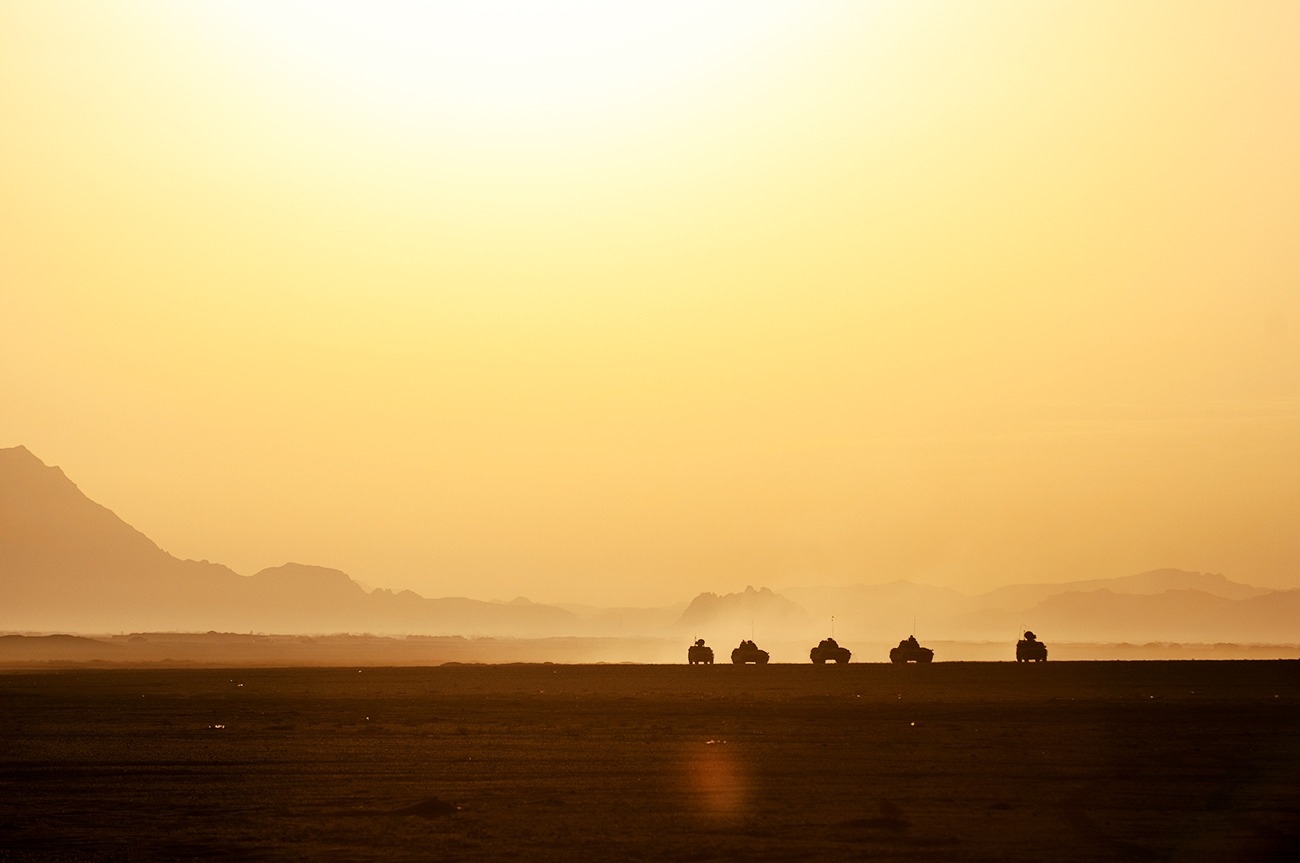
(621, 306)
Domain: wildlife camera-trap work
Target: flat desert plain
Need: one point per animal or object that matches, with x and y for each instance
(954, 761)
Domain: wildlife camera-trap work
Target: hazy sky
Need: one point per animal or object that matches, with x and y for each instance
(620, 304)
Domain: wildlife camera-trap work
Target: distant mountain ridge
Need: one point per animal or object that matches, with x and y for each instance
(1018, 596)
(743, 612)
(68, 564)
(1160, 605)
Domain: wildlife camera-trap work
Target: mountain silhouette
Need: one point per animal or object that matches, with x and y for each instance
(740, 615)
(70, 564)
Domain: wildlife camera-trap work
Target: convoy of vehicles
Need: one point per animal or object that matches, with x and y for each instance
(909, 650)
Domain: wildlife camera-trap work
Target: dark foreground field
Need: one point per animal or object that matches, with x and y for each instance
(953, 762)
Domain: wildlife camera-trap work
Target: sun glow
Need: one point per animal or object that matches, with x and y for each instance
(615, 302)
(496, 59)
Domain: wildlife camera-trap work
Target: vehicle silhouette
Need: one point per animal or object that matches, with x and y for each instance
(748, 652)
(699, 654)
(909, 650)
(828, 650)
(1030, 649)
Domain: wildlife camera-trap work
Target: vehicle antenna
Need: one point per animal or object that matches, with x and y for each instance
(832, 626)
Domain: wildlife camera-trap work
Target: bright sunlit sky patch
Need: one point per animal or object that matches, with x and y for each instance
(477, 62)
(620, 302)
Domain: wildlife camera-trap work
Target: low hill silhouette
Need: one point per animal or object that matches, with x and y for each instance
(1161, 605)
(1157, 581)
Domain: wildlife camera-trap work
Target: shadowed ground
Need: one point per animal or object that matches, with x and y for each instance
(955, 761)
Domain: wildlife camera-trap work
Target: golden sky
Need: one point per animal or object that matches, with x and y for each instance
(620, 303)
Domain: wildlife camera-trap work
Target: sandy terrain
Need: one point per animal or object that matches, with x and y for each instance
(952, 762)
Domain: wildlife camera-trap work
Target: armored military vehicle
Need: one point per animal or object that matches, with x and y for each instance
(699, 654)
(828, 650)
(1030, 649)
(909, 650)
(748, 652)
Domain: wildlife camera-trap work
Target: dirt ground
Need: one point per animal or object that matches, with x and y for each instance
(1062, 761)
